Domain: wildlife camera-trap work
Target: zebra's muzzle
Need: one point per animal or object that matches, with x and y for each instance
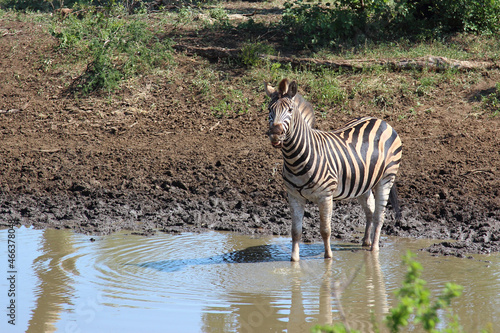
(276, 135)
(277, 144)
(276, 140)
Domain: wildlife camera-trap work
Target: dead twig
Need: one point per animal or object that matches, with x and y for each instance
(427, 137)
(471, 172)
(213, 127)
(9, 33)
(209, 52)
(54, 150)
(10, 111)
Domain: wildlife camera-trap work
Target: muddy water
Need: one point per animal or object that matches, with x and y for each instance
(221, 282)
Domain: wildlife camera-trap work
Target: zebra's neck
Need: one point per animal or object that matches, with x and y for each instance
(306, 110)
(299, 147)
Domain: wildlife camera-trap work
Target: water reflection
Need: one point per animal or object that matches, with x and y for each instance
(253, 254)
(54, 291)
(244, 287)
(258, 312)
(224, 282)
(261, 285)
(372, 305)
(377, 299)
(298, 320)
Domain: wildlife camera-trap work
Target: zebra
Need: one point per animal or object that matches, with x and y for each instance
(360, 160)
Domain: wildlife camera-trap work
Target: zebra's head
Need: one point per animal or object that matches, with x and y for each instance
(280, 110)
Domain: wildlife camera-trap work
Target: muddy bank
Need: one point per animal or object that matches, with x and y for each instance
(97, 212)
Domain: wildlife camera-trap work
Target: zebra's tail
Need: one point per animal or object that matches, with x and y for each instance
(393, 199)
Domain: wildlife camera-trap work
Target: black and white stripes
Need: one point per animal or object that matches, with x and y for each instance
(360, 160)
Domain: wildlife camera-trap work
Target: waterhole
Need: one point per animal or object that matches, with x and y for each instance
(222, 282)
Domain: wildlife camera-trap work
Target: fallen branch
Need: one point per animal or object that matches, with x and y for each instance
(251, 14)
(214, 126)
(9, 33)
(54, 150)
(212, 53)
(429, 62)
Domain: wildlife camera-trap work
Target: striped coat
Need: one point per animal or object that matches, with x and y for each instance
(360, 160)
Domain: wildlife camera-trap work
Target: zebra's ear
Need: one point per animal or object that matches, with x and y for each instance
(292, 89)
(283, 87)
(269, 89)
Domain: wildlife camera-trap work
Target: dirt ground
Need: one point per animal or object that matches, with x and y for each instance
(99, 165)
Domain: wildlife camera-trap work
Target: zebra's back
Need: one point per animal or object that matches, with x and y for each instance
(373, 151)
(345, 163)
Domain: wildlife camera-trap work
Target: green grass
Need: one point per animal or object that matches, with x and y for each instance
(328, 92)
(113, 47)
(491, 102)
(250, 52)
(453, 48)
(233, 103)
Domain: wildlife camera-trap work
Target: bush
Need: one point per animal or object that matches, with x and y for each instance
(448, 16)
(118, 45)
(345, 21)
(250, 53)
(38, 5)
(315, 24)
(491, 102)
(415, 300)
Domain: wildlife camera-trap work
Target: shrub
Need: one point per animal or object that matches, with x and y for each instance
(233, 104)
(414, 299)
(118, 46)
(250, 53)
(345, 21)
(317, 24)
(491, 102)
(219, 17)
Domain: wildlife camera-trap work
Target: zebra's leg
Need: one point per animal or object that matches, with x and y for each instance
(325, 217)
(297, 210)
(367, 201)
(382, 190)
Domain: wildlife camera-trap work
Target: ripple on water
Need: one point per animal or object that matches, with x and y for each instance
(155, 269)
